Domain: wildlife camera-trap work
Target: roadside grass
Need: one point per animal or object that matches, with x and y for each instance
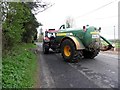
(19, 67)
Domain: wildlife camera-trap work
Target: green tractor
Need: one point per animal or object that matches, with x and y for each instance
(74, 44)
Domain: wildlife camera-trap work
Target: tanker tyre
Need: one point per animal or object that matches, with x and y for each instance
(68, 51)
(91, 54)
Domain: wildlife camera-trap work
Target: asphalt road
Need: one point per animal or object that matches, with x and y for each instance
(100, 72)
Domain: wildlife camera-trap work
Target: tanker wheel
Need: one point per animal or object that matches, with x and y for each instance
(45, 49)
(68, 51)
(90, 54)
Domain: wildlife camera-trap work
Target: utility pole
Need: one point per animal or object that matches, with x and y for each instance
(114, 34)
(114, 38)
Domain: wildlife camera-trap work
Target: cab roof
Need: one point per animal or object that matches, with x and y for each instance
(52, 30)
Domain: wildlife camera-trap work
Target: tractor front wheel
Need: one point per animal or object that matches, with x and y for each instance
(45, 49)
(68, 51)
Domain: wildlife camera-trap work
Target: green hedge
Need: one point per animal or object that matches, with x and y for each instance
(19, 67)
(117, 45)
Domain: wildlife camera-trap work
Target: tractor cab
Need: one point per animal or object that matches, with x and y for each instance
(49, 40)
(51, 34)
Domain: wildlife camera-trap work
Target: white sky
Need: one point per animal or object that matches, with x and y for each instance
(105, 18)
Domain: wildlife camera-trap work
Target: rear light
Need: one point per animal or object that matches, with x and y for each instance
(84, 28)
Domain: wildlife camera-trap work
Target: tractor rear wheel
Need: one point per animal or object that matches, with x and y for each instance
(68, 51)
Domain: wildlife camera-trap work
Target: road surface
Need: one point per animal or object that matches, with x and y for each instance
(101, 72)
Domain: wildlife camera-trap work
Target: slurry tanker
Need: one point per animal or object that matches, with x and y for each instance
(75, 44)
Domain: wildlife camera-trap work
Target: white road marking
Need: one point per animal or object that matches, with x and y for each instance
(113, 72)
(71, 85)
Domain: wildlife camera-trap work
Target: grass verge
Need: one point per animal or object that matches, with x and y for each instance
(19, 67)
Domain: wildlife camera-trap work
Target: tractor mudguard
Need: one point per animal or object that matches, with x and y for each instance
(79, 45)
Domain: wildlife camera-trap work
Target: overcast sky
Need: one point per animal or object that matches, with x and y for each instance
(83, 12)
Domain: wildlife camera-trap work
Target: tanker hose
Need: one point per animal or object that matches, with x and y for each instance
(105, 48)
(108, 47)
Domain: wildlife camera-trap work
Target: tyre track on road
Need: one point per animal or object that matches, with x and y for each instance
(101, 80)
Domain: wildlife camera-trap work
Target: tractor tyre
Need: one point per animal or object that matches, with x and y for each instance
(68, 51)
(45, 49)
(90, 54)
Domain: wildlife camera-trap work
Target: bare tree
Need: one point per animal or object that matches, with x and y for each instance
(39, 6)
(69, 22)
